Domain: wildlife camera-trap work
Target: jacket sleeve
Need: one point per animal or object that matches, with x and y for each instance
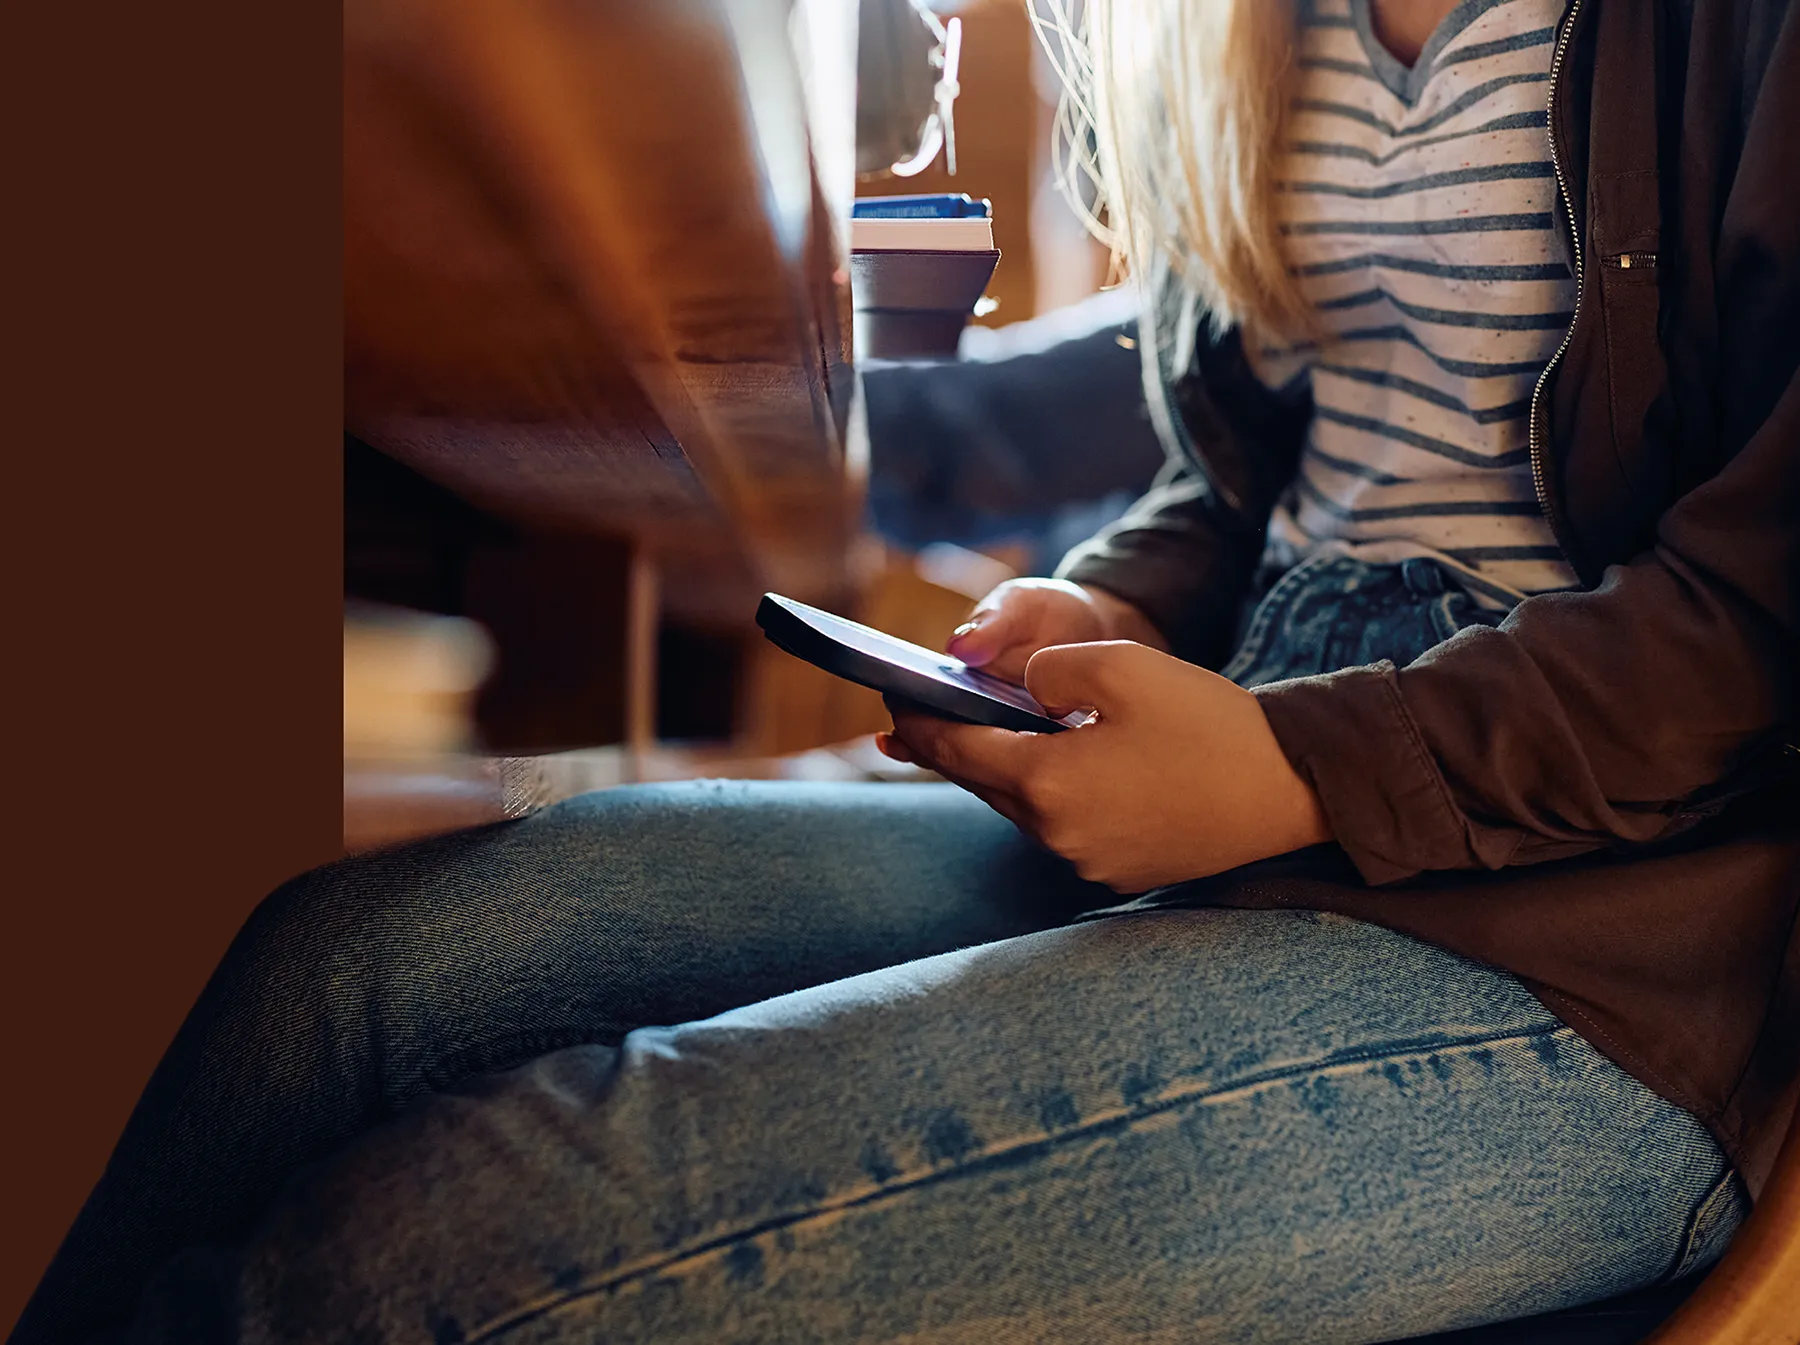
(1052, 414)
(1617, 715)
(1585, 719)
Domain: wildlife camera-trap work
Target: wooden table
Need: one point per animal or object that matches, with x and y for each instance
(596, 312)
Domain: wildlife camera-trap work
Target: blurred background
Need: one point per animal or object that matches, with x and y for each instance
(601, 387)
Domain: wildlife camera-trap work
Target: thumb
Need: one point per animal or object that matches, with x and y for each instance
(1067, 677)
(988, 633)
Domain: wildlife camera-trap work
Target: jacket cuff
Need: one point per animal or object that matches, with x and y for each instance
(1351, 737)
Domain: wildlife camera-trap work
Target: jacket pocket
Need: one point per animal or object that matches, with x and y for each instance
(1626, 248)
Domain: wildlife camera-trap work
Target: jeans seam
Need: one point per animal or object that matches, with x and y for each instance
(1444, 623)
(1699, 1223)
(1631, 1060)
(1118, 1121)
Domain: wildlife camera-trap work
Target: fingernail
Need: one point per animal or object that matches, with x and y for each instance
(967, 628)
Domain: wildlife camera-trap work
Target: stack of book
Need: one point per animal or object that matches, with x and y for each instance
(918, 266)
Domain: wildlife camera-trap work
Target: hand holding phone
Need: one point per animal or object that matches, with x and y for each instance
(1022, 616)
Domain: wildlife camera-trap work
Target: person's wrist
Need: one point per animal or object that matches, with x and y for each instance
(1307, 822)
(1302, 819)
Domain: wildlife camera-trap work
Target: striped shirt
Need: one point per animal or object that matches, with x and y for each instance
(1417, 208)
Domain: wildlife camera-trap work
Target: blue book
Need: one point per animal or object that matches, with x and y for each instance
(950, 206)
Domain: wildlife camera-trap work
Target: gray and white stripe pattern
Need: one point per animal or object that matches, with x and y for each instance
(1417, 206)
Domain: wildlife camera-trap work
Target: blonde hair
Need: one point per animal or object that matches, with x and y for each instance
(1173, 113)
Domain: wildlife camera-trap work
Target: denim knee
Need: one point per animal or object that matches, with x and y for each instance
(355, 962)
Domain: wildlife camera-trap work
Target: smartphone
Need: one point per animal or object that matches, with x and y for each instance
(941, 684)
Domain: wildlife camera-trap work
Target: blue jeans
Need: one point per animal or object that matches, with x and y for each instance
(910, 1093)
(1334, 612)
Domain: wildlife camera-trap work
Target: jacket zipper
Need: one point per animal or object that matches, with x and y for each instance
(1630, 261)
(1540, 478)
